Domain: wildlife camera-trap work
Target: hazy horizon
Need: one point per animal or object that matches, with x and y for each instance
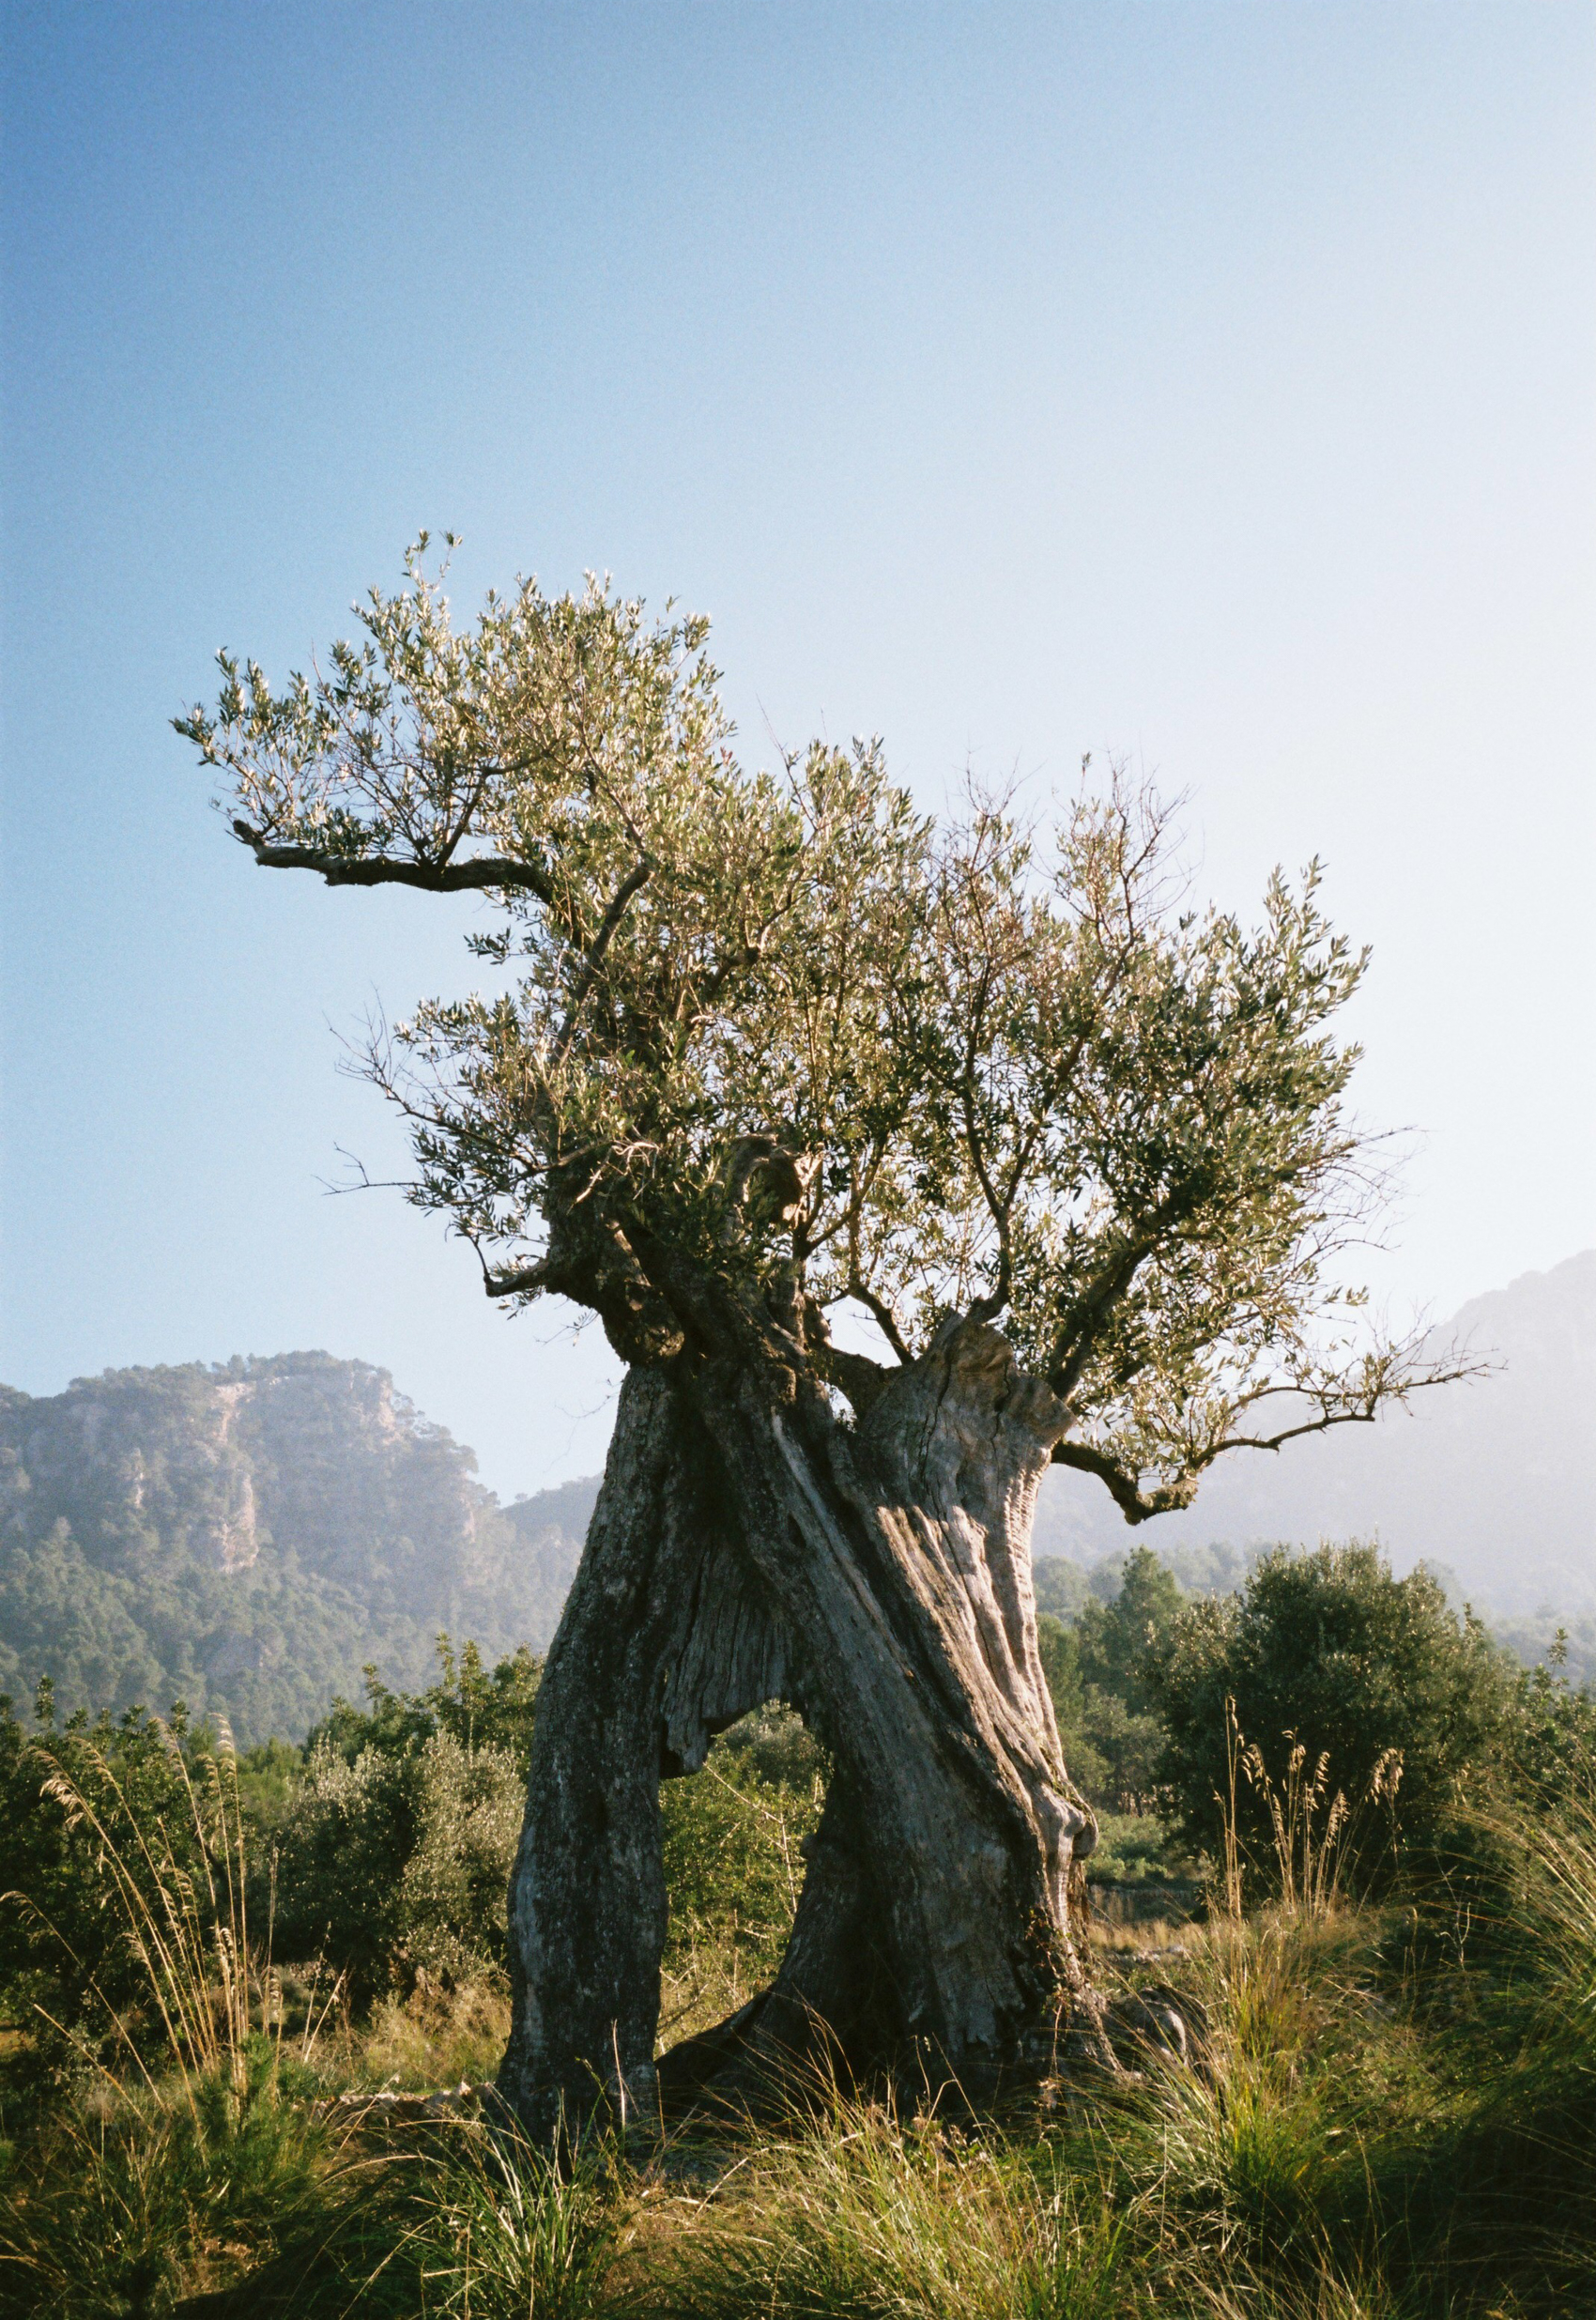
(1484, 1479)
(1210, 384)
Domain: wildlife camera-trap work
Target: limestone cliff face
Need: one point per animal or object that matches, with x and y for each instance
(233, 1533)
(248, 1536)
(321, 1457)
(135, 1461)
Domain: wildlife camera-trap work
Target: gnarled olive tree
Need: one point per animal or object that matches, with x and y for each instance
(754, 1049)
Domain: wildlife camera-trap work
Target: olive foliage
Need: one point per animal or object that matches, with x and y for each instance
(779, 1033)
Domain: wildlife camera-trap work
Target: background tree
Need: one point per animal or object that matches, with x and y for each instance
(751, 1050)
(1114, 1639)
(1333, 1650)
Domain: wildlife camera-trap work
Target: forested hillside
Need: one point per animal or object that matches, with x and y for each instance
(247, 1537)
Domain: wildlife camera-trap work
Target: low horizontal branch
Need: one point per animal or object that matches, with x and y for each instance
(1136, 1505)
(481, 873)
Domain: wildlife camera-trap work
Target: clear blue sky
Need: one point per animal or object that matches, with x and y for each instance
(1208, 382)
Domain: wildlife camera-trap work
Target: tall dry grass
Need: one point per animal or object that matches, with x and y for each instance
(192, 2158)
(1363, 2132)
(856, 2211)
(1316, 1833)
(181, 1894)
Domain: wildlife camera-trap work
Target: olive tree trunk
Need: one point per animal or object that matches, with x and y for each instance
(748, 1543)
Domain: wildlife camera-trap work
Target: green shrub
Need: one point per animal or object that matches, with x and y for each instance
(392, 1856)
(1334, 1651)
(468, 1808)
(731, 1836)
(1133, 1848)
(1114, 1640)
(384, 1847)
(1121, 1753)
(399, 1862)
(497, 1710)
(1551, 1739)
(1061, 1665)
(1111, 1736)
(338, 1863)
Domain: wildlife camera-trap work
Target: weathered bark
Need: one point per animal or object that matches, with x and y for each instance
(658, 1607)
(749, 1545)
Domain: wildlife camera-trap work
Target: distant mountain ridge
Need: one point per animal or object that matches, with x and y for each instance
(1493, 1480)
(246, 1536)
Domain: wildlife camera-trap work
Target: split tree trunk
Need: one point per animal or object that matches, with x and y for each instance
(749, 1544)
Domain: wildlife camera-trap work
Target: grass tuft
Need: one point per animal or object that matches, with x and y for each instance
(135, 2195)
(857, 2213)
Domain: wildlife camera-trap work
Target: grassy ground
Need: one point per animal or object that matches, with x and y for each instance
(1387, 2112)
(1389, 2117)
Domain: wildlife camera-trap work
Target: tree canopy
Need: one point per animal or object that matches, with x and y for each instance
(780, 1035)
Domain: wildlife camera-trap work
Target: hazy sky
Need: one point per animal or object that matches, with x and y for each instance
(1209, 383)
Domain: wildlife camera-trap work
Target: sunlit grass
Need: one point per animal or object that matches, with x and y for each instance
(434, 2038)
(1387, 2112)
(130, 2195)
(857, 2212)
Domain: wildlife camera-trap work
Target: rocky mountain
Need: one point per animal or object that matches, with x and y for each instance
(247, 1537)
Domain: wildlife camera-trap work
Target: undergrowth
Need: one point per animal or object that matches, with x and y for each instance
(1388, 2111)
